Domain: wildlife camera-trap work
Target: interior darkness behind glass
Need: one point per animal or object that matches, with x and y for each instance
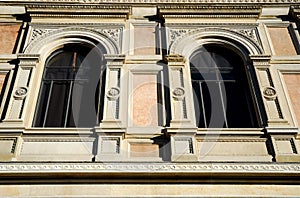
(69, 94)
(221, 91)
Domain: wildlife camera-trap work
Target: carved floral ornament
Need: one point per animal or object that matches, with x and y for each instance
(146, 167)
(178, 93)
(269, 93)
(113, 93)
(20, 93)
(112, 33)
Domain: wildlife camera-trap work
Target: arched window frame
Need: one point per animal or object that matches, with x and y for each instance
(42, 47)
(185, 46)
(68, 79)
(249, 97)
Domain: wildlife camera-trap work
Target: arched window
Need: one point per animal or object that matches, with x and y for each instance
(70, 93)
(221, 89)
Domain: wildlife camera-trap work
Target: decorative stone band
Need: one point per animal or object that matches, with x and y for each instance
(165, 1)
(195, 168)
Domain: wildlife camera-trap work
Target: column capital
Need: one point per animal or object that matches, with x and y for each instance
(174, 58)
(28, 59)
(261, 60)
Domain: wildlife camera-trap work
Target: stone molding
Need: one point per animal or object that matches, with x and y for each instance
(107, 38)
(14, 168)
(184, 44)
(163, 1)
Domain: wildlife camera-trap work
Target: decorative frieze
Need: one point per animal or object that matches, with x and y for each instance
(195, 168)
(168, 1)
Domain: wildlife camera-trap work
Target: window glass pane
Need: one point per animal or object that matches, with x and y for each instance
(70, 90)
(221, 91)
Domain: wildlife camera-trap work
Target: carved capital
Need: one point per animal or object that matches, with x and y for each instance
(261, 60)
(28, 60)
(174, 58)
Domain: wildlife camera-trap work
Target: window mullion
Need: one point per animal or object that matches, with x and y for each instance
(223, 104)
(68, 103)
(202, 103)
(48, 103)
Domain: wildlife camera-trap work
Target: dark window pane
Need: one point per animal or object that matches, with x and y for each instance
(70, 92)
(221, 91)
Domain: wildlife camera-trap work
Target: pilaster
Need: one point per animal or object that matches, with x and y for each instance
(21, 89)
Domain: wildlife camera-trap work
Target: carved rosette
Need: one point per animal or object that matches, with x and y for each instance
(113, 93)
(20, 93)
(178, 93)
(270, 93)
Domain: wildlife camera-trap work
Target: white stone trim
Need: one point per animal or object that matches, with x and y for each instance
(163, 1)
(140, 167)
(188, 43)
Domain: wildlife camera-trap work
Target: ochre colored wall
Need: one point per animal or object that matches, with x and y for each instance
(144, 150)
(144, 41)
(282, 42)
(293, 86)
(8, 37)
(144, 100)
(2, 79)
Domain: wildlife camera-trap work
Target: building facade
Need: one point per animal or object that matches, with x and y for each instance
(149, 98)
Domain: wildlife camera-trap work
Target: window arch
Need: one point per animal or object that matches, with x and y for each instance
(71, 88)
(222, 95)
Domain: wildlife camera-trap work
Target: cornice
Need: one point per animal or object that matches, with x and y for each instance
(91, 9)
(203, 9)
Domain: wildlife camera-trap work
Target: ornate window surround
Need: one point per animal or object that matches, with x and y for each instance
(45, 45)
